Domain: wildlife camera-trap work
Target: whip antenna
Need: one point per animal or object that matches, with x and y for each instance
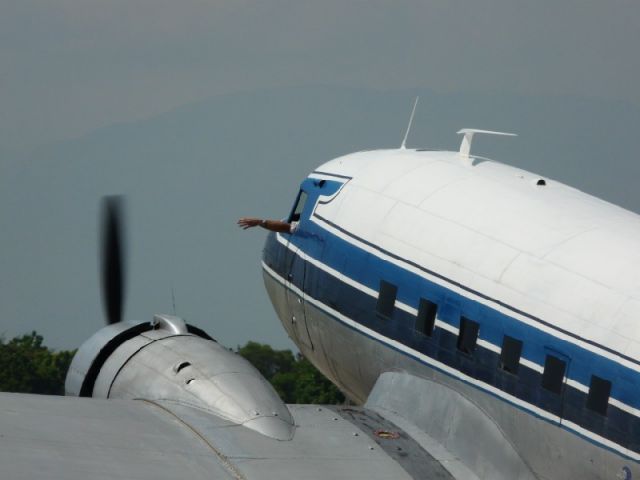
(173, 300)
(404, 140)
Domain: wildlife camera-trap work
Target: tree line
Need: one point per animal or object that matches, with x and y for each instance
(28, 366)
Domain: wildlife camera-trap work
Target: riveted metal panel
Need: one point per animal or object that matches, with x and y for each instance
(210, 378)
(69, 438)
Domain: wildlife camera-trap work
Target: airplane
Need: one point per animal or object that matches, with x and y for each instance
(481, 319)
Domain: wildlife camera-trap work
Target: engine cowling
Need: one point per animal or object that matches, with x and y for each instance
(169, 360)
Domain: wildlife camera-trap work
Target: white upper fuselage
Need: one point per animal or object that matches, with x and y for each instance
(556, 253)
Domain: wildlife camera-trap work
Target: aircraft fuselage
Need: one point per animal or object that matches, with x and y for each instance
(514, 291)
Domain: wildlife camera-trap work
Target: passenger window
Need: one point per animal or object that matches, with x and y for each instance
(510, 354)
(299, 207)
(468, 335)
(426, 318)
(386, 298)
(599, 392)
(553, 375)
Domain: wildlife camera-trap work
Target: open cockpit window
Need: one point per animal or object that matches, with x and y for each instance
(299, 207)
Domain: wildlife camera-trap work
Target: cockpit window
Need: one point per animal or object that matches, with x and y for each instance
(297, 210)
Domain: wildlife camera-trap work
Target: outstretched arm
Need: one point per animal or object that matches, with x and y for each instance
(273, 225)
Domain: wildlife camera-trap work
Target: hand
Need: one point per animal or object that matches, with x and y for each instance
(248, 222)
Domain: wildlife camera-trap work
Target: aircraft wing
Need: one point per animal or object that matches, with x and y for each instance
(69, 438)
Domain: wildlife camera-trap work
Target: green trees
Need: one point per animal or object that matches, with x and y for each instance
(295, 379)
(27, 366)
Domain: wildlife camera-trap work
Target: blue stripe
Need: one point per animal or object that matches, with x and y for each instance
(615, 416)
(477, 293)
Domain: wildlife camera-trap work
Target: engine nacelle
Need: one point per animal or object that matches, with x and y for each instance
(169, 360)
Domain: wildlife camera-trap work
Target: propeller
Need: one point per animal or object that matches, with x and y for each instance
(113, 257)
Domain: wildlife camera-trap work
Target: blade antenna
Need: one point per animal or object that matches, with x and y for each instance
(465, 146)
(404, 140)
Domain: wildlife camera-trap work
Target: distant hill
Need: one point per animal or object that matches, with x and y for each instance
(191, 172)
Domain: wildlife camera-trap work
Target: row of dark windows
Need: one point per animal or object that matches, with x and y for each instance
(554, 367)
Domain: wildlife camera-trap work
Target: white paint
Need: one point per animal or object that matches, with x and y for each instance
(554, 252)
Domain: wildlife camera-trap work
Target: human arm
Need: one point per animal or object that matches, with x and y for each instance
(273, 225)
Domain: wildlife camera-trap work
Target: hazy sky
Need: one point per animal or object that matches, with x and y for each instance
(70, 66)
(203, 111)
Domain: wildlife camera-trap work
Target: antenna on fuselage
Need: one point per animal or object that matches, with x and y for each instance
(465, 146)
(403, 146)
(173, 300)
